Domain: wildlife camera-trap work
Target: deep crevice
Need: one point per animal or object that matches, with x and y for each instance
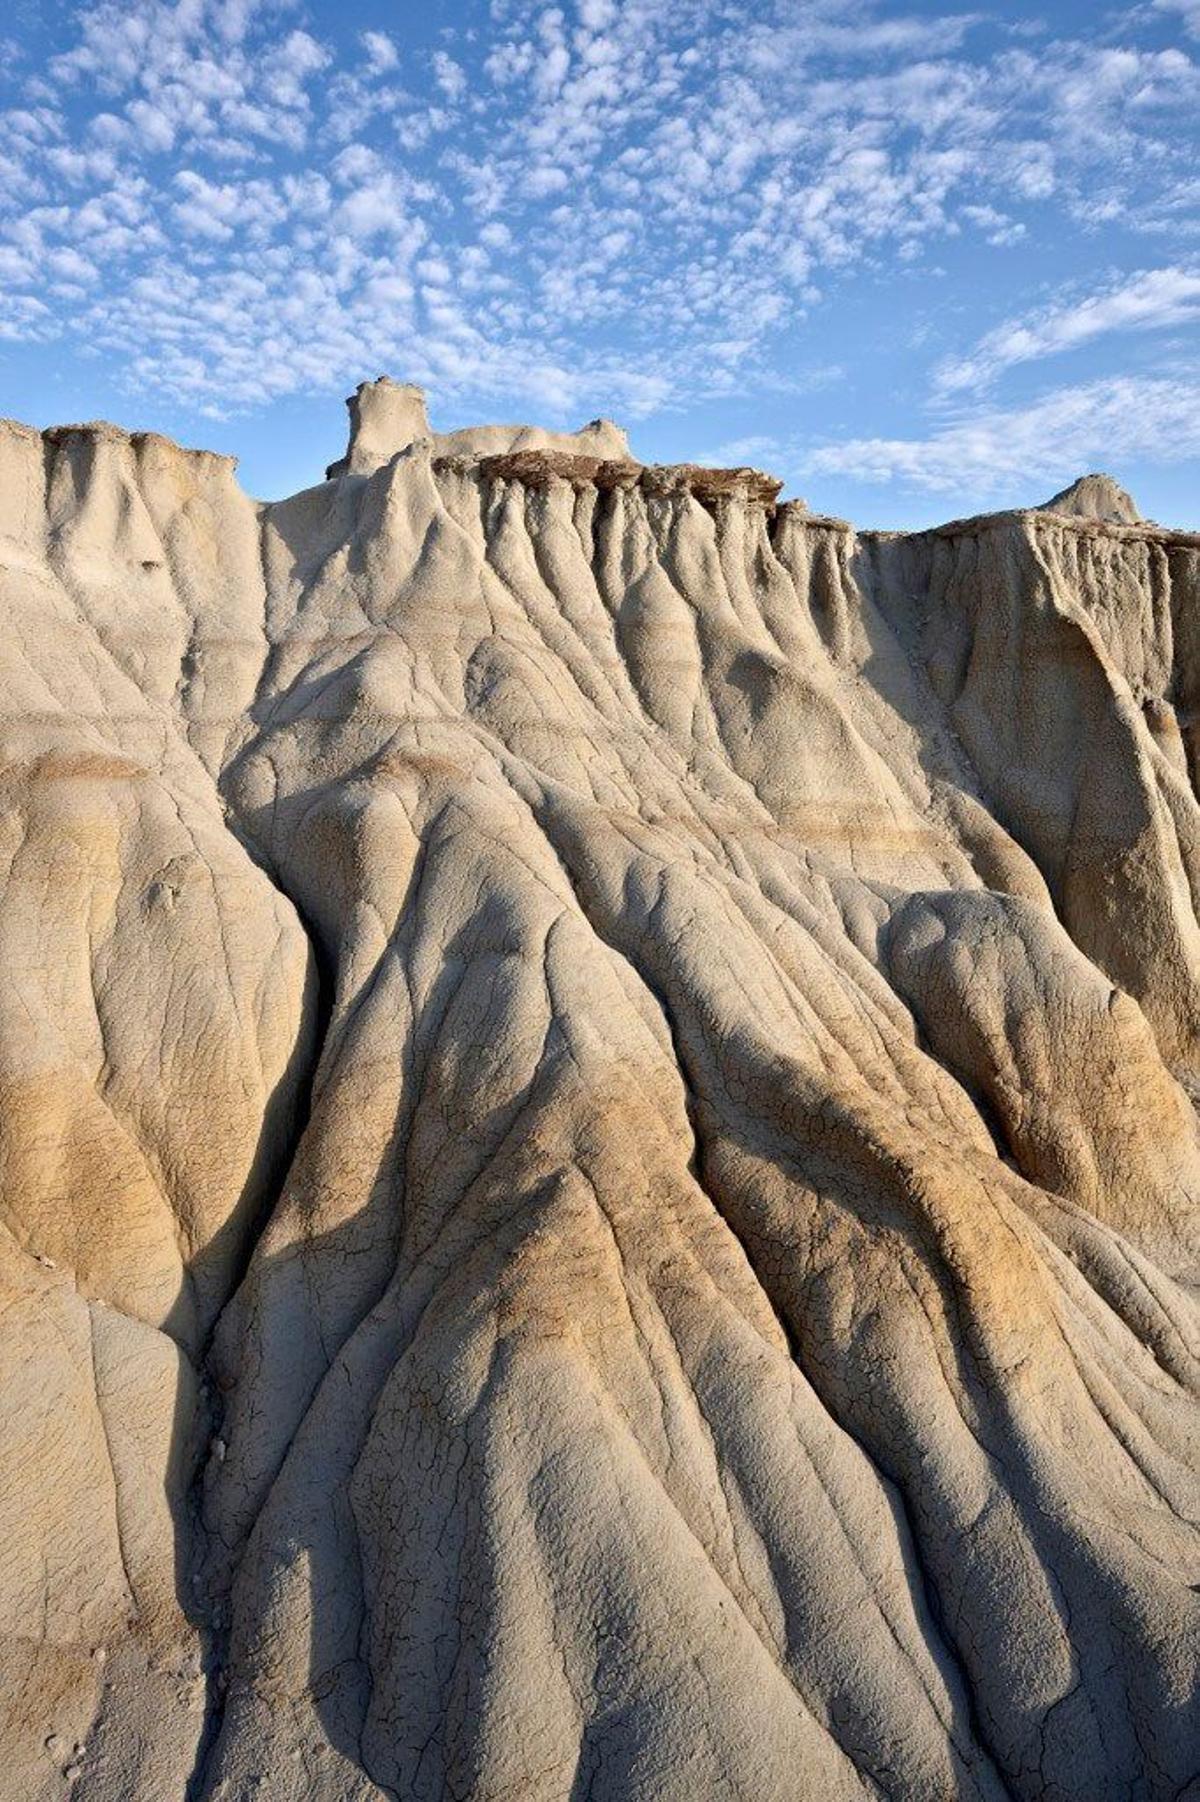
(213, 1621)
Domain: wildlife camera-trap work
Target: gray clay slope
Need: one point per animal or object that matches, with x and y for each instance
(597, 1145)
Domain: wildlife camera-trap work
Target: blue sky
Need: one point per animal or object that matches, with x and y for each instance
(917, 260)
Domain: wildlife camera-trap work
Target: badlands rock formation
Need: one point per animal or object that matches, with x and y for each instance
(1096, 497)
(597, 1134)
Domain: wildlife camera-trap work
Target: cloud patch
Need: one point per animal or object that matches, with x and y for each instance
(598, 203)
(1149, 300)
(998, 451)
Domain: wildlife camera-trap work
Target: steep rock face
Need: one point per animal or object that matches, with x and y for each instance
(156, 1023)
(600, 1188)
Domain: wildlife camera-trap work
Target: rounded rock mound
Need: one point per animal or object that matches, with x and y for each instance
(1095, 496)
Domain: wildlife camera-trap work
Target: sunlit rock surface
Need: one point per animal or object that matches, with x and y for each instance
(597, 1145)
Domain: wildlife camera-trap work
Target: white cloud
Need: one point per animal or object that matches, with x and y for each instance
(569, 177)
(190, 70)
(381, 53)
(231, 18)
(1055, 438)
(153, 124)
(449, 75)
(996, 226)
(544, 179)
(214, 210)
(372, 207)
(757, 449)
(859, 39)
(597, 15)
(1151, 299)
(1187, 10)
(69, 265)
(289, 65)
(376, 195)
(414, 130)
(551, 71)
(26, 319)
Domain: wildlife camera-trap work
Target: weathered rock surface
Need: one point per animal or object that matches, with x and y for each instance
(599, 1171)
(1096, 497)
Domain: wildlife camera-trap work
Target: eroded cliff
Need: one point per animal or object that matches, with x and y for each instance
(600, 1187)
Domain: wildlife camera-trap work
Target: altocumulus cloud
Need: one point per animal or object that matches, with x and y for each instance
(609, 205)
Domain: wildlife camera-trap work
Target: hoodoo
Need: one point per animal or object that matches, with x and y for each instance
(598, 1143)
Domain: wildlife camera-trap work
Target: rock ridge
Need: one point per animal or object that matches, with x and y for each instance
(599, 1169)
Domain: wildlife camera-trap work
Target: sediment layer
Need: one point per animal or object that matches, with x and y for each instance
(597, 1124)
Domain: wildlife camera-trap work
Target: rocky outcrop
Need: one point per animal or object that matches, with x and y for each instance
(600, 1169)
(387, 417)
(1095, 497)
